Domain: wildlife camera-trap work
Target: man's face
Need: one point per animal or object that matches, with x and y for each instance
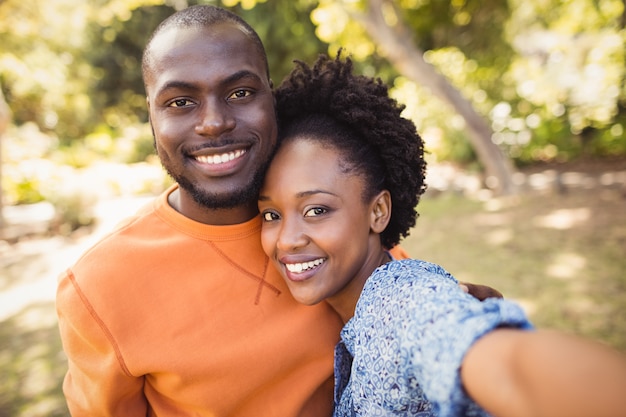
(212, 112)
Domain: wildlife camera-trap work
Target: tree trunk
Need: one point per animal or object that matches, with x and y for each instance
(5, 117)
(396, 42)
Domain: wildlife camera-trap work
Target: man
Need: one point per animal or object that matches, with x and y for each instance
(178, 311)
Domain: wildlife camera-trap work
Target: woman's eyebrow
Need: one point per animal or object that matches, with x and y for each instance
(301, 194)
(313, 192)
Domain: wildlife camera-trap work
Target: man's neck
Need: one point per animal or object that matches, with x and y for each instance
(218, 217)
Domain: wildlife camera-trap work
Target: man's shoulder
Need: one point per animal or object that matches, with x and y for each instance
(113, 244)
(119, 266)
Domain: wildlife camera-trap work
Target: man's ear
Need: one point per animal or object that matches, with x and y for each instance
(148, 108)
(380, 211)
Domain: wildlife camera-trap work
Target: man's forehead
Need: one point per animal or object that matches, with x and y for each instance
(224, 41)
(179, 47)
(202, 55)
(173, 38)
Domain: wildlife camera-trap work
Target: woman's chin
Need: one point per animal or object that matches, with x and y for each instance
(307, 300)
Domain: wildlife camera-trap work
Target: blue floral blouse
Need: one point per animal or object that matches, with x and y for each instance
(401, 352)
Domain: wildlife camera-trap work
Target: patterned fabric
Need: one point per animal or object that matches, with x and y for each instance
(401, 352)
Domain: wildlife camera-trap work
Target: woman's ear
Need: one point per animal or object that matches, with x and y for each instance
(380, 211)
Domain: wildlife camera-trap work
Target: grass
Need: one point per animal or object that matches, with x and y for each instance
(562, 256)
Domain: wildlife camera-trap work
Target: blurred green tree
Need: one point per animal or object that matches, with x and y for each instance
(542, 80)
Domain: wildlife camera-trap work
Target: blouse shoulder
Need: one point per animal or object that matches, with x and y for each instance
(408, 275)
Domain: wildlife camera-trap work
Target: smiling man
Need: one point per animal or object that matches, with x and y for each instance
(212, 118)
(178, 312)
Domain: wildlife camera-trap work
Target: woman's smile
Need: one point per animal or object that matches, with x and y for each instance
(316, 223)
(301, 271)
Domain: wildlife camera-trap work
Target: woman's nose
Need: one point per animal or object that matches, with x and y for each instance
(291, 236)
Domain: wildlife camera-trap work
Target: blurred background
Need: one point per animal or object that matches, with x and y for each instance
(522, 105)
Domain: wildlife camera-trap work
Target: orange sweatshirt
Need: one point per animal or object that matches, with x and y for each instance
(169, 317)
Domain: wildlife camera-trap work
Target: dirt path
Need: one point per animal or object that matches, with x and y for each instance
(32, 363)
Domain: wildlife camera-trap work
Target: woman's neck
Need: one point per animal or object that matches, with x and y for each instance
(344, 302)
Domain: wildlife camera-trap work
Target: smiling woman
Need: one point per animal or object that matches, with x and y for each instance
(413, 342)
(307, 214)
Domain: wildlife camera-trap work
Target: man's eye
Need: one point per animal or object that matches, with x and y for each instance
(316, 211)
(181, 102)
(270, 216)
(240, 94)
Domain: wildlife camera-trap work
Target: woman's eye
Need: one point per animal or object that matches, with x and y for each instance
(269, 216)
(316, 211)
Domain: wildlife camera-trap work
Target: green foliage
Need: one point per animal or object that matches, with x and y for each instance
(118, 90)
(557, 66)
(73, 69)
(73, 211)
(286, 30)
(24, 191)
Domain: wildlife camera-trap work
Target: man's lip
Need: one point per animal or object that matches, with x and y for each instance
(218, 150)
(220, 157)
(220, 162)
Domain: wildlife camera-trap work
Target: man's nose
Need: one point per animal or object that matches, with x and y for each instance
(215, 118)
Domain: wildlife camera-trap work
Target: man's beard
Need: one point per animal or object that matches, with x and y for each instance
(213, 201)
(236, 198)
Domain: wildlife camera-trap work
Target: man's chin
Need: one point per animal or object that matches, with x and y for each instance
(226, 199)
(223, 201)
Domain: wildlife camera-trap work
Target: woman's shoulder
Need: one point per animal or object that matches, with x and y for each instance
(400, 281)
(410, 271)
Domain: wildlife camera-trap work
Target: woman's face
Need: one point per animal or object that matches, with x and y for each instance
(317, 229)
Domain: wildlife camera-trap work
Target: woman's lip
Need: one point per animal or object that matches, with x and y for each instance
(302, 270)
(299, 277)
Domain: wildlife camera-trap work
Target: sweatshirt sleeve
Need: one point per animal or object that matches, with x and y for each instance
(97, 383)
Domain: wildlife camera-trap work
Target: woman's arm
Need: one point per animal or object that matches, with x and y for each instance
(544, 373)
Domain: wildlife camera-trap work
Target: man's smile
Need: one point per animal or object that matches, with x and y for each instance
(220, 158)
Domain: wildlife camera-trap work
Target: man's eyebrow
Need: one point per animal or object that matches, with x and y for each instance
(185, 85)
(176, 85)
(240, 75)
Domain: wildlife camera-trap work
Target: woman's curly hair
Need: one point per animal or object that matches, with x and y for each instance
(355, 114)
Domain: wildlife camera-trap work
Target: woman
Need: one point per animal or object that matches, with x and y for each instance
(341, 190)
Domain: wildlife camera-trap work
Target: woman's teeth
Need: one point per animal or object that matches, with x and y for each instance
(300, 267)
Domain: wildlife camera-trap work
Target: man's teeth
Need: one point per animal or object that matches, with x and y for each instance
(220, 159)
(297, 268)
